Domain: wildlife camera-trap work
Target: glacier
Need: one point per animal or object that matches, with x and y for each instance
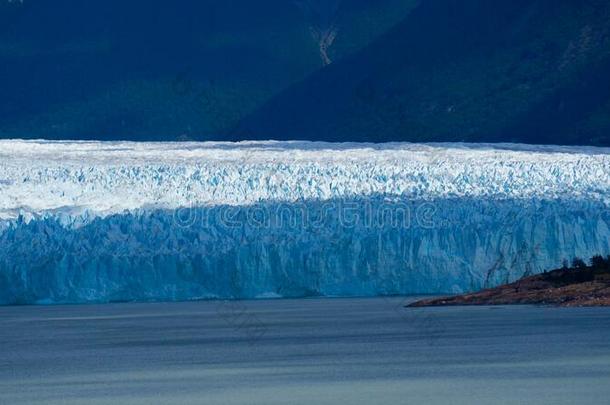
(126, 221)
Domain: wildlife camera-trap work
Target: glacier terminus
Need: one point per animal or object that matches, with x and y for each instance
(122, 221)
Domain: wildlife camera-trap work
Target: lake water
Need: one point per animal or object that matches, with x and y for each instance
(369, 351)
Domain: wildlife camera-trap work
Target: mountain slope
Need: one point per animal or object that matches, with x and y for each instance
(160, 70)
(470, 70)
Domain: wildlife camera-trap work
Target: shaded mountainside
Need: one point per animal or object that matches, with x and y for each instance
(580, 285)
(162, 70)
(532, 71)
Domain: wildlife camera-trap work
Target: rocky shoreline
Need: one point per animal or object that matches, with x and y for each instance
(578, 286)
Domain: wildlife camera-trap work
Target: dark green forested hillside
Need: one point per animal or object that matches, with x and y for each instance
(161, 70)
(532, 71)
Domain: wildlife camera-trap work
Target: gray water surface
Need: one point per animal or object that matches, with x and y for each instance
(351, 351)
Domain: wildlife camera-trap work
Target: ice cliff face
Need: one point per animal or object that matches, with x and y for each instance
(84, 221)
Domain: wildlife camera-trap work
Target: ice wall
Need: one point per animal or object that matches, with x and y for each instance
(89, 222)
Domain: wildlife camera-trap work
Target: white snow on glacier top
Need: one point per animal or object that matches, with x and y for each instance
(46, 177)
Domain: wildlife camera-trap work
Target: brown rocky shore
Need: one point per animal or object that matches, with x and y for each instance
(577, 286)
